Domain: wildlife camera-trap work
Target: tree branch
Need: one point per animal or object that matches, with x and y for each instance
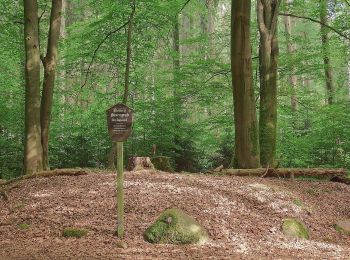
(183, 7)
(99, 46)
(319, 22)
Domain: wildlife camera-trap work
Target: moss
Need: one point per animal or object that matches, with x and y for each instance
(295, 228)
(343, 227)
(24, 226)
(301, 205)
(174, 226)
(75, 232)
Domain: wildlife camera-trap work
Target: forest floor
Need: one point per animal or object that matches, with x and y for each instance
(243, 216)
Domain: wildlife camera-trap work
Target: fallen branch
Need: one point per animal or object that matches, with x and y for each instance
(332, 174)
(47, 174)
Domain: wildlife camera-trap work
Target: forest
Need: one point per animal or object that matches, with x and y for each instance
(173, 59)
(217, 89)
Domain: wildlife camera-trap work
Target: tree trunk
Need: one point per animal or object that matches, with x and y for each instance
(326, 55)
(33, 149)
(49, 63)
(267, 12)
(128, 57)
(291, 50)
(246, 130)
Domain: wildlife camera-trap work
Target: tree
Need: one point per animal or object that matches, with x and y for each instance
(326, 55)
(267, 12)
(49, 64)
(38, 114)
(246, 131)
(291, 48)
(33, 153)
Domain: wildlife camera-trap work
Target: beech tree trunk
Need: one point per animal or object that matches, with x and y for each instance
(49, 63)
(291, 49)
(246, 130)
(326, 56)
(267, 12)
(33, 149)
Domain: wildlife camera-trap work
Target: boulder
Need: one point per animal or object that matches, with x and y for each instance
(174, 226)
(343, 226)
(295, 228)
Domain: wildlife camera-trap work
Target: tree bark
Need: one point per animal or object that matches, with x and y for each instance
(128, 57)
(291, 49)
(326, 55)
(49, 63)
(267, 12)
(33, 149)
(246, 130)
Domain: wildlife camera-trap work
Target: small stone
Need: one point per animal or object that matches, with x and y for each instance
(122, 244)
(343, 226)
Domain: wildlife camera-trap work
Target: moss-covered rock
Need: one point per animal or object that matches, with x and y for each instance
(75, 232)
(343, 226)
(295, 228)
(174, 226)
(162, 163)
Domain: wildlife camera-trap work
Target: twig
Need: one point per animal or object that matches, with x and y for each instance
(98, 47)
(183, 7)
(319, 22)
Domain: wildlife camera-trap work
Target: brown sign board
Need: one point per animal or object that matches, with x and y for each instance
(119, 121)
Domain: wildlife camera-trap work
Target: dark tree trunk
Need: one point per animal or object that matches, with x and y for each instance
(267, 12)
(49, 63)
(246, 130)
(33, 149)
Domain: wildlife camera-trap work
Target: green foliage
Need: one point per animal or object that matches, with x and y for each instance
(188, 117)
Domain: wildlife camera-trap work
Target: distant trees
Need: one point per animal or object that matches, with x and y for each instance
(38, 111)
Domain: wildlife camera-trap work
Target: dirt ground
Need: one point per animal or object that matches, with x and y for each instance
(242, 215)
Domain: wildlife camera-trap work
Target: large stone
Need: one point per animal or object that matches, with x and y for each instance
(174, 226)
(293, 227)
(343, 226)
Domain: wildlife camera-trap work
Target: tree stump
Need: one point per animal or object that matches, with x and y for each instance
(162, 163)
(139, 163)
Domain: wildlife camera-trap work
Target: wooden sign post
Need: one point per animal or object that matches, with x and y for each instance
(119, 121)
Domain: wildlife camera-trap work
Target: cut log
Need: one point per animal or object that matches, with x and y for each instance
(162, 163)
(286, 172)
(139, 163)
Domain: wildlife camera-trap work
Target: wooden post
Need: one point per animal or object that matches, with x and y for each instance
(120, 190)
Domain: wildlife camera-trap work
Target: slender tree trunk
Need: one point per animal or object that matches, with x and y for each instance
(326, 55)
(267, 12)
(291, 50)
(128, 57)
(49, 63)
(246, 130)
(113, 151)
(33, 150)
